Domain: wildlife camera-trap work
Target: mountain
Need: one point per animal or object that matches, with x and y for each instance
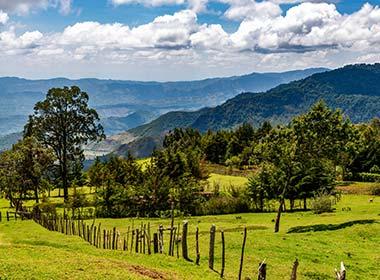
(127, 104)
(355, 89)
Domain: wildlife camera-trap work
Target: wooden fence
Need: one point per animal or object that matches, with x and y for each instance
(144, 240)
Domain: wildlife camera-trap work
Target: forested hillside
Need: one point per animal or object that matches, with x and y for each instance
(355, 89)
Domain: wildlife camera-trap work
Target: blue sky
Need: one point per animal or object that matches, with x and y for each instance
(183, 39)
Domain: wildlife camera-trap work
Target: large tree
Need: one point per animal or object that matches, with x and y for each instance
(65, 123)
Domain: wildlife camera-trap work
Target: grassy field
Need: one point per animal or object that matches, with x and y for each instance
(28, 251)
(225, 182)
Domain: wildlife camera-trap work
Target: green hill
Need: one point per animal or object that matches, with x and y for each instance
(355, 89)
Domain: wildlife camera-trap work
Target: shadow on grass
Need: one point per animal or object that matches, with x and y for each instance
(325, 227)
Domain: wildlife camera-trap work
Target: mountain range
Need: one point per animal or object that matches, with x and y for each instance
(354, 89)
(123, 105)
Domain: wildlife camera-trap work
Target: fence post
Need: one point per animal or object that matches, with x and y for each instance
(0, 216)
(104, 239)
(262, 271)
(212, 248)
(114, 238)
(341, 275)
(7, 216)
(149, 240)
(155, 243)
(197, 246)
(184, 240)
(137, 240)
(223, 254)
(294, 271)
(242, 253)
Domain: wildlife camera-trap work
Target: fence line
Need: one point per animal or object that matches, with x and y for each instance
(139, 240)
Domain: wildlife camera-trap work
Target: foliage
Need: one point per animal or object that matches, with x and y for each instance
(321, 204)
(368, 177)
(64, 123)
(25, 169)
(375, 190)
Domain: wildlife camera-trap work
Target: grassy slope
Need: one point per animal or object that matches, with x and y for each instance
(318, 252)
(27, 249)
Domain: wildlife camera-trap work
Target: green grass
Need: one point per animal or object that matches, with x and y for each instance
(342, 236)
(225, 182)
(322, 242)
(28, 251)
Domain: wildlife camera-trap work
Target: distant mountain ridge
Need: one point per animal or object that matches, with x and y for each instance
(355, 89)
(121, 104)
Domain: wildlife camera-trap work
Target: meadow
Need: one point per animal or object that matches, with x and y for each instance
(319, 242)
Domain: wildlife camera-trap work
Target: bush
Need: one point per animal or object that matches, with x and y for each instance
(375, 190)
(375, 169)
(322, 204)
(368, 177)
(47, 207)
(224, 204)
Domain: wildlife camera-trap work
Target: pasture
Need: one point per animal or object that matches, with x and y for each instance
(28, 251)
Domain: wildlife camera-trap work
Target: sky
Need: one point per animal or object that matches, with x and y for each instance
(169, 40)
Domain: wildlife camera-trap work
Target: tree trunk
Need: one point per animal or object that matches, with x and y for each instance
(36, 194)
(277, 224)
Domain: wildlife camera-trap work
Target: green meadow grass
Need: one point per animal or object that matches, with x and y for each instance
(28, 251)
(225, 182)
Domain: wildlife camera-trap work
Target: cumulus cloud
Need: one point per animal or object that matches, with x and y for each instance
(3, 17)
(23, 7)
(307, 34)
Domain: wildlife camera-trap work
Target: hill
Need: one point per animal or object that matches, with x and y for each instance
(123, 104)
(355, 89)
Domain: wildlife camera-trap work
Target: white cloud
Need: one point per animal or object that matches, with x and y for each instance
(308, 34)
(3, 17)
(23, 7)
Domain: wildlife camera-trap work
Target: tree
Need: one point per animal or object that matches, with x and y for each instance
(24, 169)
(65, 123)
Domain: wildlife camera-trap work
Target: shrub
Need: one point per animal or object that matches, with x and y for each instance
(47, 207)
(224, 204)
(375, 190)
(321, 204)
(368, 177)
(375, 169)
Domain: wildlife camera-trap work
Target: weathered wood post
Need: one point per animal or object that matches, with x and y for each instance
(211, 251)
(262, 271)
(155, 243)
(113, 238)
(171, 247)
(104, 239)
(178, 240)
(117, 240)
(137, 241)
(132, 238)
(149, 240)
(341, 275)
(294, 270)
(0, 217)
(223, 254)
(197, 246)
(185, 253)
(7, 216)
(242, 253)
(161, 239)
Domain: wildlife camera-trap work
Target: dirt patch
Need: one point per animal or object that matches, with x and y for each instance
(147, 272)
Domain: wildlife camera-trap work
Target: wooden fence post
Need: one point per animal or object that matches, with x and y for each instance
(341, 275)
(294, 271)
(242, 253)
(149, 240)
(161, 239)
(197, 246)
(155, 243)
(262, 271)
(104, 239)
(185, 254)
(114, 238)
(7, 216)
(211, 248)
(223, 254)
(137, 241)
